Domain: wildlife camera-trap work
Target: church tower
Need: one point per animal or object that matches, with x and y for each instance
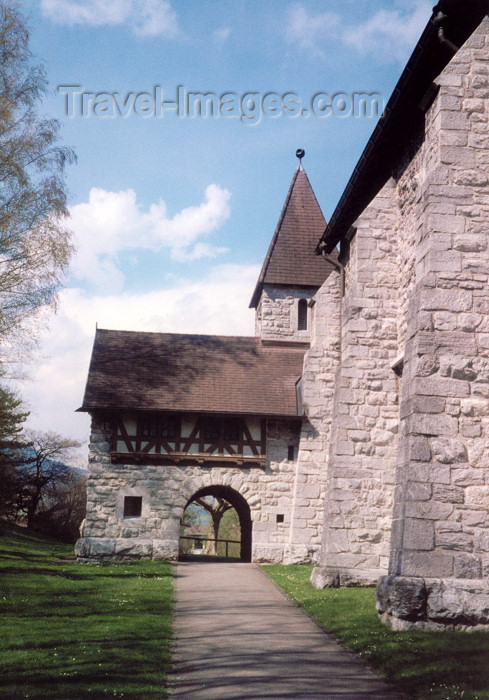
(291, 273)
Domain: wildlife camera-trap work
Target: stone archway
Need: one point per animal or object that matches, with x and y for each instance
(242, 509)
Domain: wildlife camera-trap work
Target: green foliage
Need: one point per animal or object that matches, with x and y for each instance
(230, 530)
(12, 418)
(42, 477)
(35, 247)
(80, 630)
(211, 518)
(434, 665)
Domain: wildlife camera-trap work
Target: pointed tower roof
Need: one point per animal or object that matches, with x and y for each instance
(291, 260)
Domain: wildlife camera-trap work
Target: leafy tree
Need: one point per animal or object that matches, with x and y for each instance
(12, 418)
(230, 529)
(35, 246)
(192, 516)
(193, 523)
(42, 472)
(216, 506)
(35, 249)
(63, 506)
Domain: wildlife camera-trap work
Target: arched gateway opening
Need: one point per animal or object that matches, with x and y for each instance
(220, 499)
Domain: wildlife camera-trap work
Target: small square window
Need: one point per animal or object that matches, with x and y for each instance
(280, 517)
(133, 506)
(291, 453)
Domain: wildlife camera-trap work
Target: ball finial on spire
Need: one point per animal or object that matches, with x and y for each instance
(300, 153)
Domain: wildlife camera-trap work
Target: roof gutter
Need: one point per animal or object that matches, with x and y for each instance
(404, 111)
(439, 21)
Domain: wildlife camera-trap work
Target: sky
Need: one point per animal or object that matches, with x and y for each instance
(173, 207)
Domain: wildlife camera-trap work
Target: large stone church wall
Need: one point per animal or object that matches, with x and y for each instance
(440, 553)
(360, 474)
(432, 223)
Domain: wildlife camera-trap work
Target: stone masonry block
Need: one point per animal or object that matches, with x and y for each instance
(165, 550)
(419, 534)
(445, 300)
(454, 541)
(101, 547)
(441, 386)
(401, 596)
(429, 424)
(82, 547)
(429, 510)
(453, 343)
(418, 491)
(470, 242)
(464, 601)
(423, 564)
(467, 566)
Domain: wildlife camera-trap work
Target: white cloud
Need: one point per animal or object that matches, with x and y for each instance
(309, 30)
(388, 35)
(145, 17)
(390, 32)
(111, 223)
(216, 304)
(221, 35)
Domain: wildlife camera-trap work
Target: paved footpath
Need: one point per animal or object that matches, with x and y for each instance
(237, 636)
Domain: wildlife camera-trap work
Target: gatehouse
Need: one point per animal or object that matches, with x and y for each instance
(177, 415)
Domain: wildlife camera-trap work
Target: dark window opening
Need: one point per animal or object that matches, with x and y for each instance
(159, 426)
(280, 517)
(229, 430)
(133, 506)
(302, 315)
(212, 430)
(291, 453)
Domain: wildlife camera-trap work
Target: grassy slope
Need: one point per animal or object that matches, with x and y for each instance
(435, 665)
(80, 630)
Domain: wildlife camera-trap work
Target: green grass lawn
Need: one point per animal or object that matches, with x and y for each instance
(435, 665)
(80, 630)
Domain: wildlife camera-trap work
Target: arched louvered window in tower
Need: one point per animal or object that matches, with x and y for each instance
(302, 315)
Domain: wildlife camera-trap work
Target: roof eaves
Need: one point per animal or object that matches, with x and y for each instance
(207, 412)
(400, 116)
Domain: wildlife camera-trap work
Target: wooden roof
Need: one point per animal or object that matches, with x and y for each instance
(191, 373)
(291, 260)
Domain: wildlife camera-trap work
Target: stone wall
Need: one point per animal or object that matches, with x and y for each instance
(277, 314)
(360, 469)
(440, 537)
(318, 381)
(165, 491)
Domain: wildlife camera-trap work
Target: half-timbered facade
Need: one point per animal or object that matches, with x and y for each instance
(166, 438)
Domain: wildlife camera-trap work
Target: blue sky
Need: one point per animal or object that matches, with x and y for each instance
(172, 215)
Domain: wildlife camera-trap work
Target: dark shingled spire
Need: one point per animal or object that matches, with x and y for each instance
(291, 259)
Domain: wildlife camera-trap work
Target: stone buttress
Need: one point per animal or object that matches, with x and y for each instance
(407, 490)
(439, 558)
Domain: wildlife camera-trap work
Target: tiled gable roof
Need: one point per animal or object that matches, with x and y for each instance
(192, 373)
(291, 258)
